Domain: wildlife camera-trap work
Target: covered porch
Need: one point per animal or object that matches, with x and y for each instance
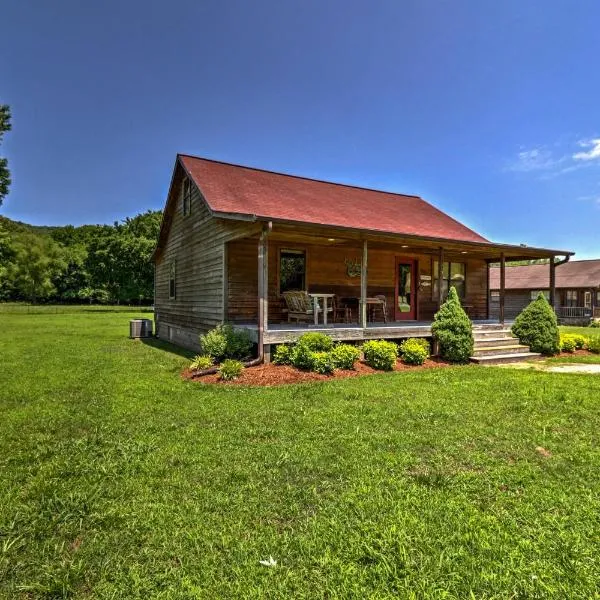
(357, 285)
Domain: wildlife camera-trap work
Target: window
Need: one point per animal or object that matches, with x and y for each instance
(536, 293)
(172, 285)
(186, 200)
(571, 298)
(598, 298)
(495, 295)
(292, 270)
(587, 299)
(453, 274)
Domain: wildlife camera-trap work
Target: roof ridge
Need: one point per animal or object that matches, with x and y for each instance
(339, 183)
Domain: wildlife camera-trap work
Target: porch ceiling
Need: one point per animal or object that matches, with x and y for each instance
(331, 236)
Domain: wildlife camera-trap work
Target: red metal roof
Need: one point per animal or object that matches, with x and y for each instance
(572, 274)
(244, 191)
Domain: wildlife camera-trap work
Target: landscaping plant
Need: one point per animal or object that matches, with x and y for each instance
(380, 354)
(344, 356)
(316, 342)
(226, 342)
(322, 363)
(567, 343)
(536, 326)
(593, 345)
(453, 330)
(283, 354)
(230, 369)
(414, 351)
(201, 362)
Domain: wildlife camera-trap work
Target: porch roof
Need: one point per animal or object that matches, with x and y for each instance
(238, 192)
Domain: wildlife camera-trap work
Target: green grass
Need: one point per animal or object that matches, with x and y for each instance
(586, 331)
(120, 480)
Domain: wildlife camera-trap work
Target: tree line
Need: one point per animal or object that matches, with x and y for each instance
(91, 263)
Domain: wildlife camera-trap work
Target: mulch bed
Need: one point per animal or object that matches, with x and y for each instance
(269, 375)
(576, 353)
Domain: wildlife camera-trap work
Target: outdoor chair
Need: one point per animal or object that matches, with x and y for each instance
(382, 306)
(300, 306)
(341, 311)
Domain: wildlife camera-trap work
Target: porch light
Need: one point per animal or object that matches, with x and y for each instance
(464, 252)
(404, 246)
(331, 239)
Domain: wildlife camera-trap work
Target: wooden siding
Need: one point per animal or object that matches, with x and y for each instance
(197, 245)
(326, 272)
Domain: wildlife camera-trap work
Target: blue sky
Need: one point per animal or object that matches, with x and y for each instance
(490, 110)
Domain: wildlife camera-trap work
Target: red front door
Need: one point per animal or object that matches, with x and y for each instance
(405, 305)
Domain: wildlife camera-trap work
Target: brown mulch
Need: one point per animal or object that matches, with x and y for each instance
(269, 375)
(576, 353)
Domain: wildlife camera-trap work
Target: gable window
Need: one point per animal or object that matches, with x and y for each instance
(453, 274)
(535, 293)
(587, 299)
(292, 270)
(172, 284)
(571, 298)
(186, 200)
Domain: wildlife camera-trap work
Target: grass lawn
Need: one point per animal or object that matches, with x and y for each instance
(585, 331)
(120, 480)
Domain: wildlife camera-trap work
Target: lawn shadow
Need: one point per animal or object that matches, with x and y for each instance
(168, 347)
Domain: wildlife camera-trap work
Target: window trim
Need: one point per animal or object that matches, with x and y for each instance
(287, 248)
(172, 280)
(587, 299)
(434, 274)
(569, 301)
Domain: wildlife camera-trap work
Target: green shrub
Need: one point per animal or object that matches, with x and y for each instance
(595, 323)
(414, 352)
(567, 343)
(580, 340)
(301, 357)
(230, 369)
(453, 330)
(283, 354)
(226, 342)
(593, 345)
(201, 362)
(344, 356)
(536, 326)
(380, 354)
(322, 362)
(316, 342)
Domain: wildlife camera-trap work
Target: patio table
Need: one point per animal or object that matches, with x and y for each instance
(315, 296)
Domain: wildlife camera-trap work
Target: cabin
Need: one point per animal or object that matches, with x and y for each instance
(577, 298)
(280, 255)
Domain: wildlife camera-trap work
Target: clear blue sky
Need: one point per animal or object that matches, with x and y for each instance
(488, 109)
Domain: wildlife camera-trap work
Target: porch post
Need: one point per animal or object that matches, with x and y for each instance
(263, 293)
(552, 284)
(502, 286)
(440, 277)
(363, 286)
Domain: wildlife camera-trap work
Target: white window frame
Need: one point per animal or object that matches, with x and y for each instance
(535, 293)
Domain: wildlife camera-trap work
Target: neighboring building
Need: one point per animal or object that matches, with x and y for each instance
(577, 289)
(235, 241)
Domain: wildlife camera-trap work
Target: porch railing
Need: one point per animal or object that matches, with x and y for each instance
(574, 311)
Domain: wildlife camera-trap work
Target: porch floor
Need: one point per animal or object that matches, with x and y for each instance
(278, 333)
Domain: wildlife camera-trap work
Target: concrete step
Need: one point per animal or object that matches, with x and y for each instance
(500, 359)
(493, 350)
(495, 341)
(489, 327)
(481, 335)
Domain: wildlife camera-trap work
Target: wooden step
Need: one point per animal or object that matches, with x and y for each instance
(500, 359)
(493, 350)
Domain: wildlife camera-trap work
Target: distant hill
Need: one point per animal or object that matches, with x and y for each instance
(19, 227)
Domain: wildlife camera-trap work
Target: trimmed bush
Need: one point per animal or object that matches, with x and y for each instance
(301, 357)
(567, 343)
(283, 354)
(344, 356)
(226, 342)
(595, 323)
(593, 345)
(453, 330)
(580, 340)
(536, 327)
(322, 362)
(230, 369)
(413, 351)
(380, 354)
(316, 342)
(201, 362)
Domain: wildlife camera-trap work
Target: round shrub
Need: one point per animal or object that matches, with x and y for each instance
(413, 351)
(344, 356)
(316, 342)
(580, 340)
(453, 330)
(322, 363)
(595, 323)
(536, 327)
(567, 343)
(283, 354)
(593, 345)
(230, 369)
(214, 343)
(380, 354)
(201, 362)
(301, 357)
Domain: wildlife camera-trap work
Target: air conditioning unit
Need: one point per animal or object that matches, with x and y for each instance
(140, 328)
